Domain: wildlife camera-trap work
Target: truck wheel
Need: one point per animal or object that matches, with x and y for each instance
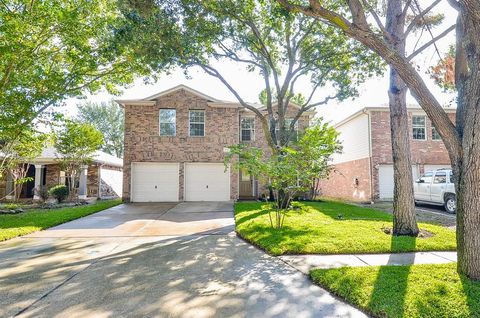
(450, 204)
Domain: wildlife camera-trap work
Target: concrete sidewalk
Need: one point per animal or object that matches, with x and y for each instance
(305, 263)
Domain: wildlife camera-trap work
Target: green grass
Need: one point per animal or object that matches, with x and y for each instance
(13, 225)
(316, 228)
(404, 291)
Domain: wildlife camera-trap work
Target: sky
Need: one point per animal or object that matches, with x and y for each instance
(249, 84)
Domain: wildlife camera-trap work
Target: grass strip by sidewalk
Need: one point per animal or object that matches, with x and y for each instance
(13, 225)
(330, 227)
(404, 291)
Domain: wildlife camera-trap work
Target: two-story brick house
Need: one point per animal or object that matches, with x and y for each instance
(364, 169)
(175, 145)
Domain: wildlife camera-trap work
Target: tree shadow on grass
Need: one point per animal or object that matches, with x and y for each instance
(471, 290)
(249, 216)
(390, 289)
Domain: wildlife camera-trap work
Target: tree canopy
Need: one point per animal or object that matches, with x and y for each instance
(285, 49)
(52, 50)
(108, 119)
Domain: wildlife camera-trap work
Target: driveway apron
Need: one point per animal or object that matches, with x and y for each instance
(154, 260)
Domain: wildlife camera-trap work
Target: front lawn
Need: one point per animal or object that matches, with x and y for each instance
(404, 291)
(333, 228)
(12, 225)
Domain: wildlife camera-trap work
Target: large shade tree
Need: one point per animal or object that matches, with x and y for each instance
(285, 49)
(51, 50)
(404, 20)
(461, 140)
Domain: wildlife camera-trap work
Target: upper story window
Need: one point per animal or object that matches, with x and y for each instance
(168, 122)
(418, 127)
(247, 129)
(288, 122)
(197, 123)
(435, 134)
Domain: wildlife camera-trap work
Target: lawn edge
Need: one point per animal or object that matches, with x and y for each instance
(53, 225)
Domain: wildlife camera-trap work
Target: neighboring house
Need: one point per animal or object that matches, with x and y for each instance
(175, 145)
(101, 179)
(364, 169)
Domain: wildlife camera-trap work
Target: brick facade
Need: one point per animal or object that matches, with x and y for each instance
(222, 128)
(92, 181)
(366, 170)
(52, 175)
(349, 180)
(423, 152)
(143, 143)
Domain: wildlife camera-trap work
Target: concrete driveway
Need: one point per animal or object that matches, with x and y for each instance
(154, 260)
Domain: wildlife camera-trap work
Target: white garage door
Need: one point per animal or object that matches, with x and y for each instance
(154, 182)
(385, 180)
(207, 182)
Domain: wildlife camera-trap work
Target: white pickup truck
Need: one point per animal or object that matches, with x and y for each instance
(436, 187)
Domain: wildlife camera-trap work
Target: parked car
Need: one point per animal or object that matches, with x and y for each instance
(436, 187)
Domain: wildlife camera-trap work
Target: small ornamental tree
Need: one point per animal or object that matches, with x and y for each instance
(108, 119)
(26, 147)
(76, 144)
(293, 169)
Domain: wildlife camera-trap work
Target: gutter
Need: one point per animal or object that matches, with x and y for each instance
(370, 153)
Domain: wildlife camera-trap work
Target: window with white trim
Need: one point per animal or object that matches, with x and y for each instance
(247, 129)
(168, 119)
(419, 128)
(435, 134)
(288, 122)
(197, 123)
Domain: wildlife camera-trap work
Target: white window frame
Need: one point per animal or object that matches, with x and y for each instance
(424, 126)
(160, 122)
(434, 131)
(288, 121)
(190, 122)
(252, 129)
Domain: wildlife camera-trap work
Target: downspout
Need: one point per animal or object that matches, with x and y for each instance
(370, 154)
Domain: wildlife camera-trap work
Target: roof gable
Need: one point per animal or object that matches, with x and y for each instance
(180, 87)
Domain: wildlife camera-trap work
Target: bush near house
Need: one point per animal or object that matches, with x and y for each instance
(59, 192)
(329, 227)
(435, 290)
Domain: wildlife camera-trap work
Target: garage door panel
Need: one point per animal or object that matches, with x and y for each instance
(386, 182)
(207, 182)
(155, 182)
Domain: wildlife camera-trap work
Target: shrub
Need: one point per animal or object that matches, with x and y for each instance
(43, 193)
(59, 192)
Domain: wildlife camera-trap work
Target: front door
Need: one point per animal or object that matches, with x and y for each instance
(246, 185)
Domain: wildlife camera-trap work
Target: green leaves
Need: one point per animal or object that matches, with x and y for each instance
(77, 142)
(52, 50)
(292, 167)
(108, 119)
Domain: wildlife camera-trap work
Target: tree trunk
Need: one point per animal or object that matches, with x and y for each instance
(404, 220)
(468, 170)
